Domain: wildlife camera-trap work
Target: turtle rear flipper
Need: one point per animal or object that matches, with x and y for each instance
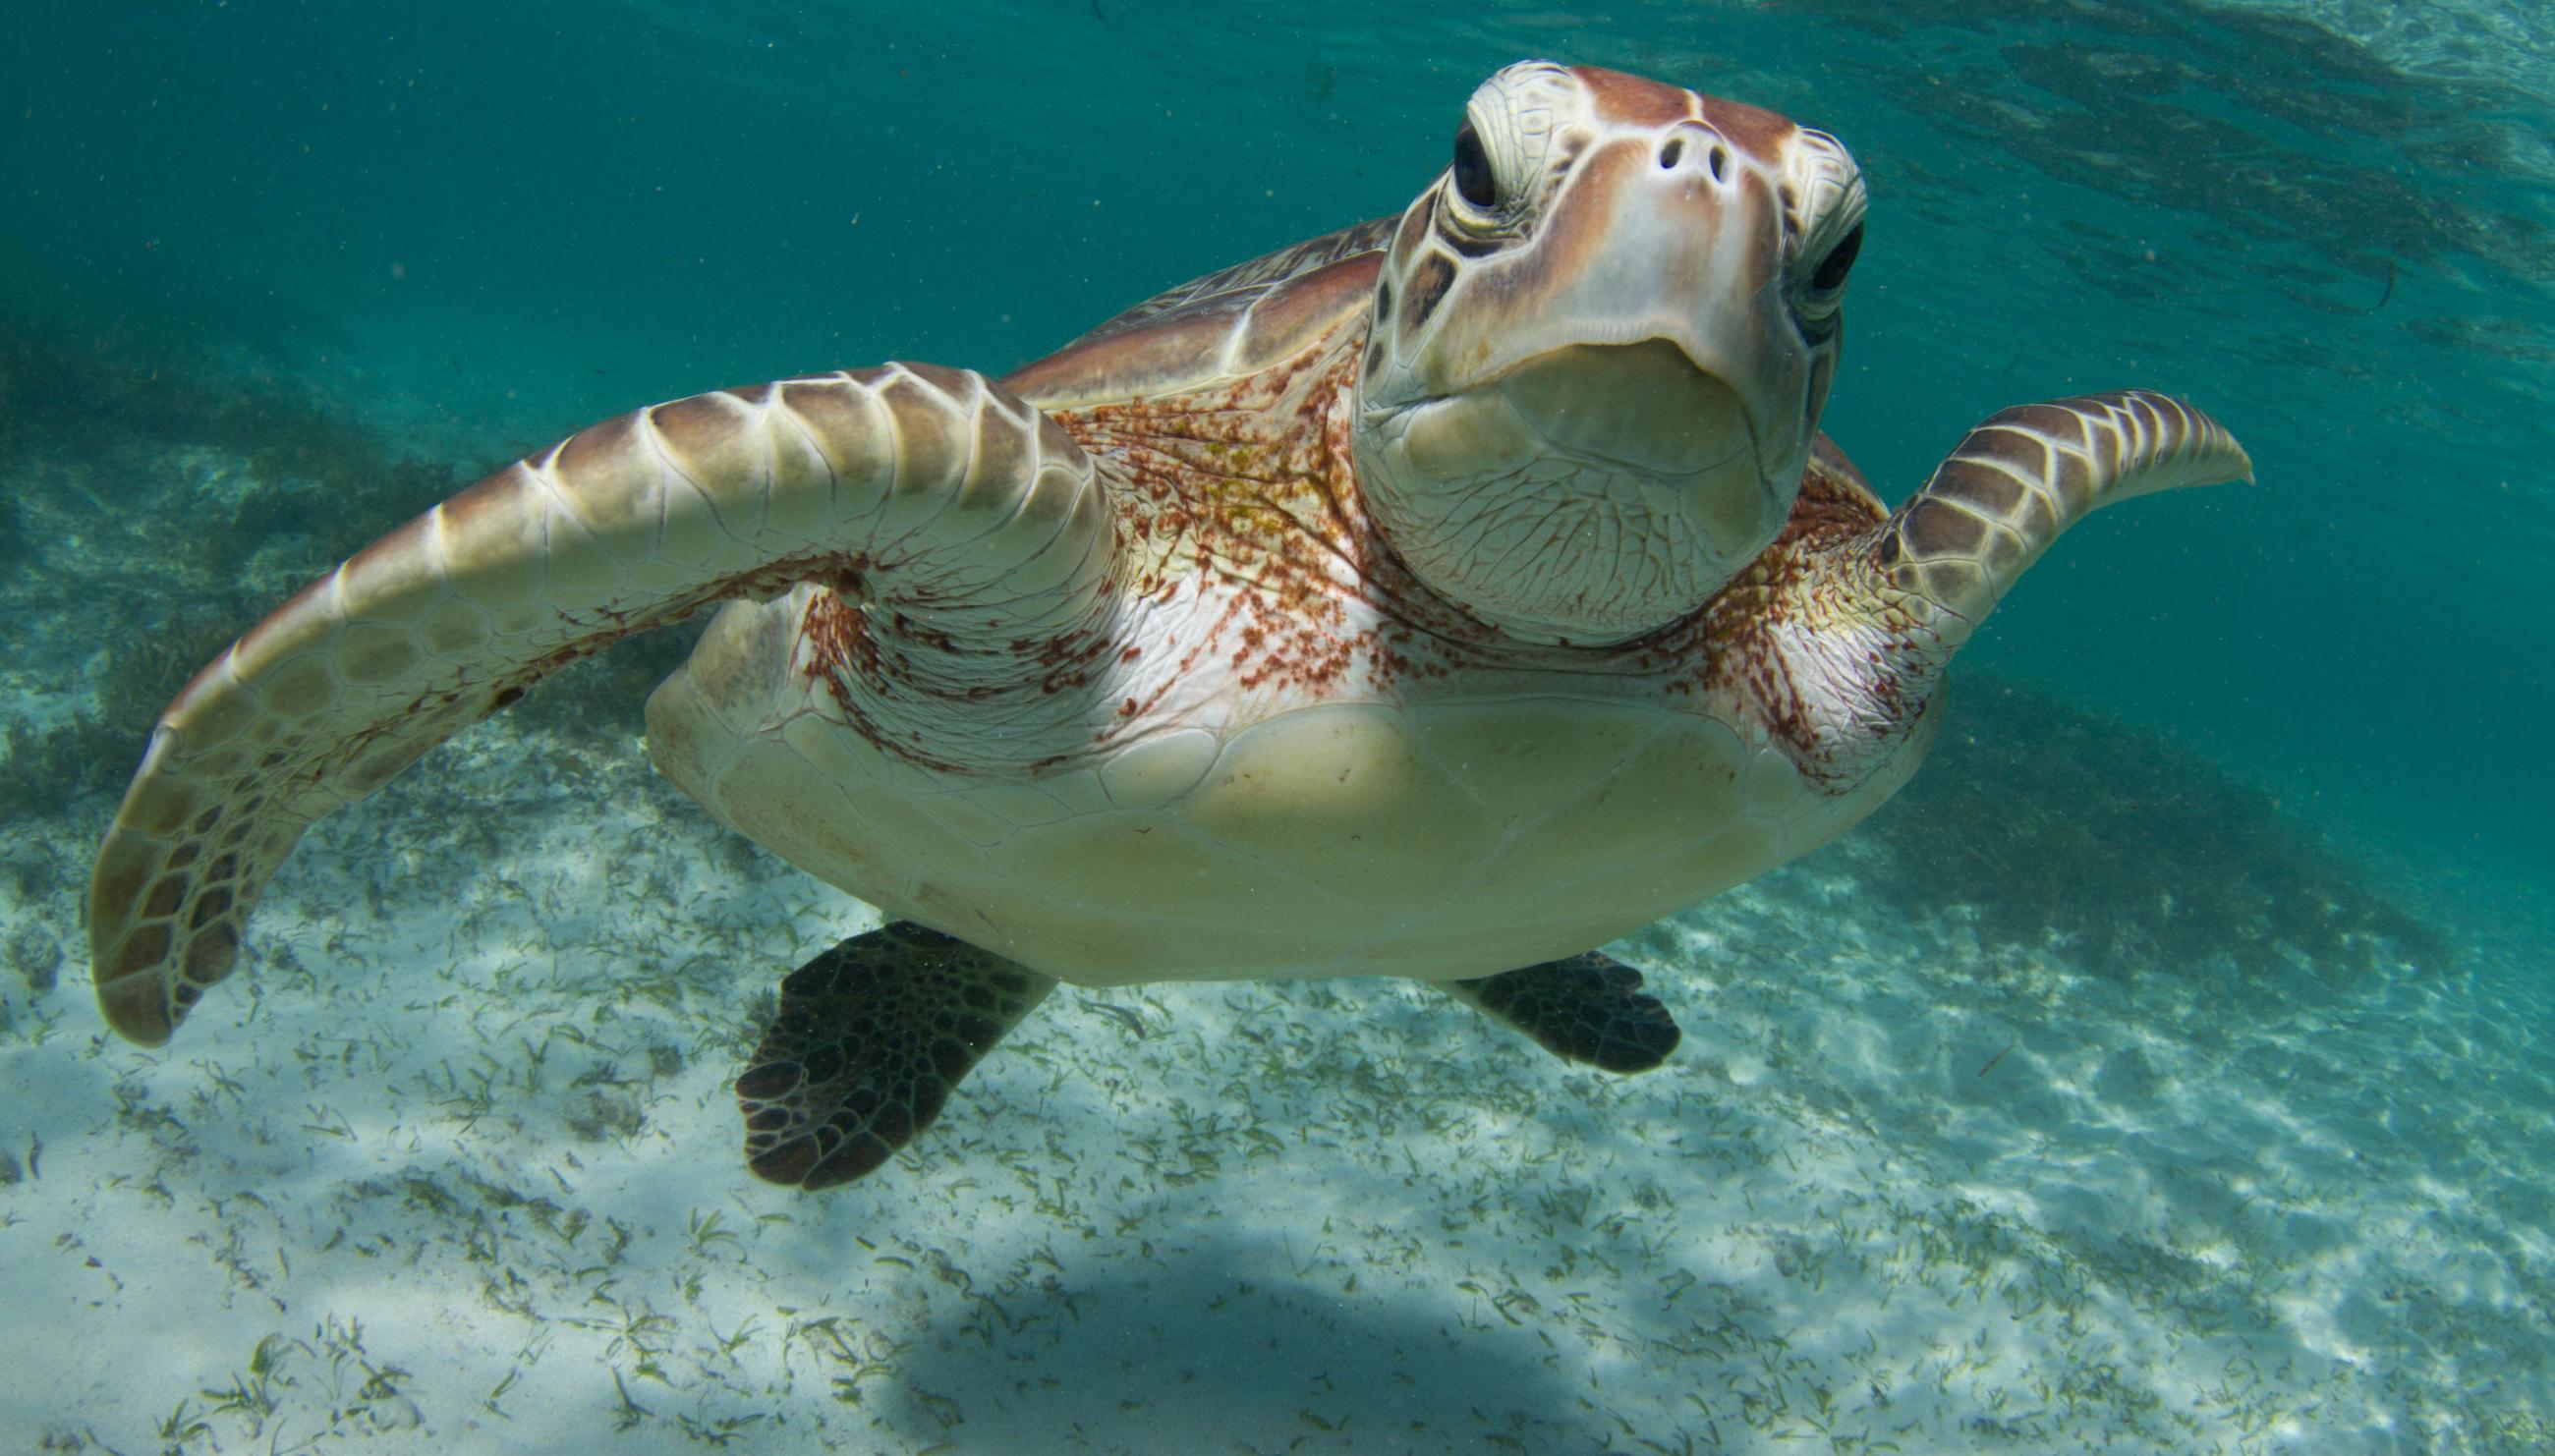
(1587, 1008)
(868, 1042)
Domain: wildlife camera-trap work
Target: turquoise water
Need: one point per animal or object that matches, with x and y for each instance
(452, 232)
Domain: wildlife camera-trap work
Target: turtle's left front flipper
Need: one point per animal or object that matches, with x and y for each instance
(972, 533)
(870, 1039)
(1953, 549)
(1587, 1008)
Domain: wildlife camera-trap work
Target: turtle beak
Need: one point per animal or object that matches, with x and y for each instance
(1649, 326)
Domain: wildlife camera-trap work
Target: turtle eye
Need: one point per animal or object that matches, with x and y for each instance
(1831, 272)
(1473, 180)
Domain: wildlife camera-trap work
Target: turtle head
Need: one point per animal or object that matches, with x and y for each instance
(1601, 343)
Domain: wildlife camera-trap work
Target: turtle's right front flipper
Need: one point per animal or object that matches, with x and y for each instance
(914, 489)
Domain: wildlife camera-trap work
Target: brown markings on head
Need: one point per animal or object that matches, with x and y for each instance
(1430, 281)
(1765, 245)
(1752, 129)
(1414, 227)
(1636, 102)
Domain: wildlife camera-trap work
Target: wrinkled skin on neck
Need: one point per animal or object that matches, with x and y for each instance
(1600, 348)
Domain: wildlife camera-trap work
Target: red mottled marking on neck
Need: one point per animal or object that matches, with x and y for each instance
(1795, 580)
(1250, 483)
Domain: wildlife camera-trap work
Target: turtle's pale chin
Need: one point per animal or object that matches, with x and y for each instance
(1587, 495)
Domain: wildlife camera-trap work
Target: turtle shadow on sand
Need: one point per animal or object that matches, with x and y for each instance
(1212, 1346)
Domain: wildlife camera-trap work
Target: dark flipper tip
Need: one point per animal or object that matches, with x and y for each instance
(870, 1039)
(1587, 1008)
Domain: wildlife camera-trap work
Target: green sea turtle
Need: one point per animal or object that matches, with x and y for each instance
(1444, 597)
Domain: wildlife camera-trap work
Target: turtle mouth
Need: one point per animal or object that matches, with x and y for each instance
(1646, 409)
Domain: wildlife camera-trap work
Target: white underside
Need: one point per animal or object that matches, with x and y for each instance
(1459, 836)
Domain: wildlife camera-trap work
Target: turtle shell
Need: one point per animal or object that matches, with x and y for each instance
(1227, 324)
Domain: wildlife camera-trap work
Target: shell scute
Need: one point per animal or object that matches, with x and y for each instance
(1228, 323)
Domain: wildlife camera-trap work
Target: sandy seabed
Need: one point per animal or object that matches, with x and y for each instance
(454, 1167)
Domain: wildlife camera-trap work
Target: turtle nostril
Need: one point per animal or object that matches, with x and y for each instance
(1715, 155)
